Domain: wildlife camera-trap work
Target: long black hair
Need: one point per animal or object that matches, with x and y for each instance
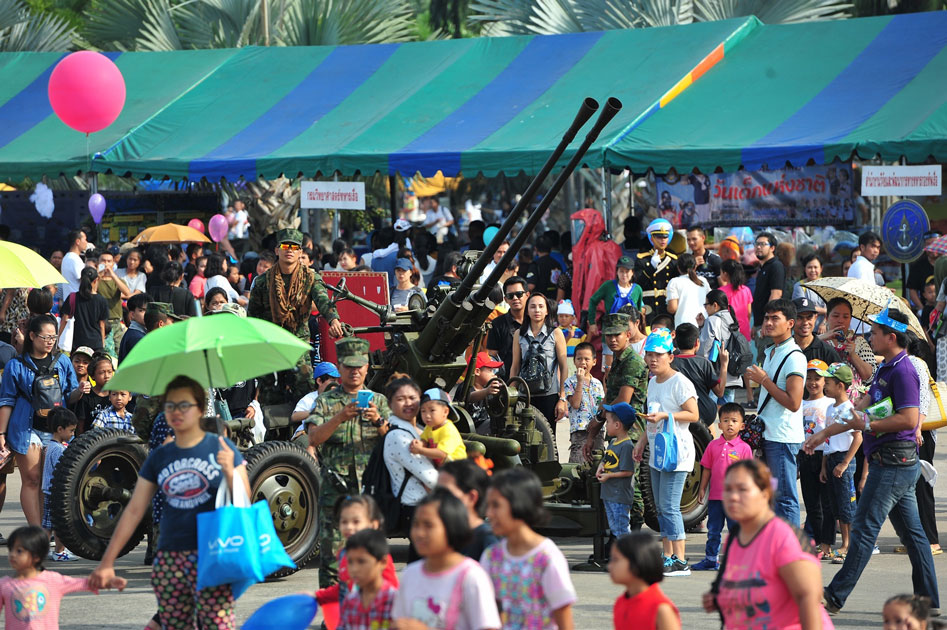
(550, 324)
(215, 266)
(86, 278)
(718, 297)
(734, 270)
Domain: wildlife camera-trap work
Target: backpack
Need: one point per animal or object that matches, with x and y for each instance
(741, 355)
(46, 393)
(376, 482)
(534, 370)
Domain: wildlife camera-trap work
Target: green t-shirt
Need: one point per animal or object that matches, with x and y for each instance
(113, 296)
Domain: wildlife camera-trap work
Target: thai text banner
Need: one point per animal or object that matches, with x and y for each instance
(813, 195)
(333, 195)
(916, 181)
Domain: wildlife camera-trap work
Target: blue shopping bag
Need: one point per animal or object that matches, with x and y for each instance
(227, 541)
(665, 447)
(273, 556)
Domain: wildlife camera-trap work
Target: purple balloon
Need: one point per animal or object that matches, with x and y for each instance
(97, 207)
(217, 227)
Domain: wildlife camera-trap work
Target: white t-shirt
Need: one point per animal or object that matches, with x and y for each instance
(223, 283)
(72, 266)
(671, 395)
(813, 416)
(782, 425)
(398, 459)
(241, 224)
(426, 597)
(137, 283)
(690, 299)
(833, 415)
(307, 402)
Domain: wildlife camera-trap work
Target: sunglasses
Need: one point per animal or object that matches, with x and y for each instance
(514, 295)
(293, 247)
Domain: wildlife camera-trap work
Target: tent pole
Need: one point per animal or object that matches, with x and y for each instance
(392, 199)
(607, 199)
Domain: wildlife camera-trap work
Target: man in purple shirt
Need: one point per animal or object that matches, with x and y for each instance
(891, 451)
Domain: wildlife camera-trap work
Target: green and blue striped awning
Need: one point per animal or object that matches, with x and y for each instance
(707, 95)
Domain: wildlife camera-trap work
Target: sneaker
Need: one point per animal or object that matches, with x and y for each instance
(830, 606)
(706, 565)
(677, 568)
(668, 561)
(876, 550)
(65, 556)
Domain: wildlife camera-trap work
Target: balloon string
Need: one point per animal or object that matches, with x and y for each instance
(88, 152)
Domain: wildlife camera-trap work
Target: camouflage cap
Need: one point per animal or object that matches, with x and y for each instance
(289, 235)
(615, 323)
(162, 307)
(351, 352)
(235, 309)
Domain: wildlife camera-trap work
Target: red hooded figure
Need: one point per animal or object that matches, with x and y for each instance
(593, 258)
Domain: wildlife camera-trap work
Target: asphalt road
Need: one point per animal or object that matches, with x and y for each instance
(887, 574)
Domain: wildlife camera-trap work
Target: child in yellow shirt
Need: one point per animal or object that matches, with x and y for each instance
(440, 441)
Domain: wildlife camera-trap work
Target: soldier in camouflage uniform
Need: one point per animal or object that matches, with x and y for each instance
(345, 436)
(284, 295)
(627, 382)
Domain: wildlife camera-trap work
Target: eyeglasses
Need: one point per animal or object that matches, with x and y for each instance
(182, 406)
(289, 246)
(48, 338)
(515, 295)
(762, 243)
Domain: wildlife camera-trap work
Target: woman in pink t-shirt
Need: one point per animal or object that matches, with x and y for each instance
(733, 284)
(767, 579)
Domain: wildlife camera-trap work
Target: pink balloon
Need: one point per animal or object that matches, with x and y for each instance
(197, 224)
(97, 207)
(87, 91)
(217, 226)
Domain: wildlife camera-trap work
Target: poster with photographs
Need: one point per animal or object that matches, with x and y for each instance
(812, 195)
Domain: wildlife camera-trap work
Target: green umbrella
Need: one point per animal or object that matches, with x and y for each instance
(21, 268)
(217, 351)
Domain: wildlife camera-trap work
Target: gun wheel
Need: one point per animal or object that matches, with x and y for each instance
(542, 436)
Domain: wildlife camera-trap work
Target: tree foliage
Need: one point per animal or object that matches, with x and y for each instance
(22, 29)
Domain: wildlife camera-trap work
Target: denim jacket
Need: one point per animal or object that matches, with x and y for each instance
(16, 388)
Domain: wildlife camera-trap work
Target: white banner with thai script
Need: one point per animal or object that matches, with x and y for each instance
(333, 195)
(905, 181)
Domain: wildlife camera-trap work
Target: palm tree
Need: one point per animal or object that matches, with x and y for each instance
(24, 30)
(195, 24)
(546, 17)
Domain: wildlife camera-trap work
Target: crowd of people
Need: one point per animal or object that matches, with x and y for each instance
(663, 345)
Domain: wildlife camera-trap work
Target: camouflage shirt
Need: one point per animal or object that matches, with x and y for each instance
(259, 305)
(628, 369)
(347, 450)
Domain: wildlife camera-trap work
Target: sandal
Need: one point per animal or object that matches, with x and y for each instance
(838, 557)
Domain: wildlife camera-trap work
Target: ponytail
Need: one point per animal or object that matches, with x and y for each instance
(735, 271)
(687, 264)
(86, 278)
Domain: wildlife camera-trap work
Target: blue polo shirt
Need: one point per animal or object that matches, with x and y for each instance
(898, 379)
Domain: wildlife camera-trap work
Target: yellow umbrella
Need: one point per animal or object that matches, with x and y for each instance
(170, 233)
(21, 268)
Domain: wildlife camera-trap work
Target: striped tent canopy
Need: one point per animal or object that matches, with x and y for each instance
(706, 95)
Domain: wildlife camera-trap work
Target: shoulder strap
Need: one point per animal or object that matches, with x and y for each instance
(452, 616)
(407, 473)
(776, 376)
(718, 580)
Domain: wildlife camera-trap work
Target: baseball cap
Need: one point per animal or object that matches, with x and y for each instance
(817, 364)
(839, 371)
(401, 225)
(403, 263)
(659, 341)
(325, 369)
(86, 350)
(624, 412)
(626, 262)
(804, 305)
(435, 394)
(565, 308)
(484, 360)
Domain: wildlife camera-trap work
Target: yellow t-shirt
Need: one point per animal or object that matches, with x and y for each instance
(447, 438)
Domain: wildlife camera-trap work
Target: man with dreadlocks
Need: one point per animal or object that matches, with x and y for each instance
(284, 295)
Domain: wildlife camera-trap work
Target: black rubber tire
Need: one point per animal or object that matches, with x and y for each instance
(284, 475)
(692, 511)
(550, 452)
(96, 460)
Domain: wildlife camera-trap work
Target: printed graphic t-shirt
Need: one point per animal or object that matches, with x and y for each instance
(33, 604)
(813, 416)
(752, 595)
(427, 597)
(188, 478)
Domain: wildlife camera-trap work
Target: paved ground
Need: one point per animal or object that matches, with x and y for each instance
(886, 575)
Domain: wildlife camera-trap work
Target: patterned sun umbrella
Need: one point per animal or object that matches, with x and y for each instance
(938, 245)
(866, 299)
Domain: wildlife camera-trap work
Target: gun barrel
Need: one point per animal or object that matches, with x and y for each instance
(589, 107)
(612, 107)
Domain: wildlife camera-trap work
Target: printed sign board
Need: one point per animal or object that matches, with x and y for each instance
(332, 195)
(902, 230)
(904, 181)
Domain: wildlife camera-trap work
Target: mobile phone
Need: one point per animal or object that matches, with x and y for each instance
(714, 351)
(364, 399)
(101, 267)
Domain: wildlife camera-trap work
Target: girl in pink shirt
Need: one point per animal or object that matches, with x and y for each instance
(733, 284)
(31, 599)
(767, 579)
